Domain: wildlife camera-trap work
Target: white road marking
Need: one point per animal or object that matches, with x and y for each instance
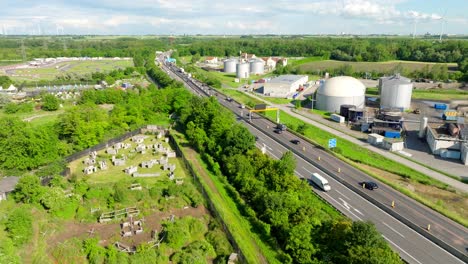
(393, 229)
(342, 206)
(271, 153)
(299, 174)
(401, 249)
(345, 204)
(359, 212)
(307, 170)
(343, 195)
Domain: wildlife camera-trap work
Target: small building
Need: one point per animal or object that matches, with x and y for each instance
(112, 151)
(138, 139)
(375, 139)
(141, 148)
(103, 165)
(118, 162)
(130, 170)
(90, 170)
(247, 57)
(170, 167)
(7, 185)
(393, 145)
(170, 154)
(284, 86)
(149, 163)
(211, 60)
(281, 61)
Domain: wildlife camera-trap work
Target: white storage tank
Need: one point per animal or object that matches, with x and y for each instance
(230, 65)
(242, 70)
(338, 91)
(257, 66)
(395, 92)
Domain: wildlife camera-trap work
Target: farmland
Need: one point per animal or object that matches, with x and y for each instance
(53, 71)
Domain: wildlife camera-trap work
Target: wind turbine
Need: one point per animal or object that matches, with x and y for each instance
(442, 22)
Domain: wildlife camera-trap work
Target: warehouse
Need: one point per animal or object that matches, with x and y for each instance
(284, 86)
(338, 91)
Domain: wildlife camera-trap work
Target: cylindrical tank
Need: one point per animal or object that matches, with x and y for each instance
(395, 92)
(344, 110)
(242, 70)
(422, 127)
(230, 65)
(257, 66)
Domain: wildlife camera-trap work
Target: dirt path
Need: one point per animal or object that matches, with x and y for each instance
(110, 232)
(191, 155)
(29, 119)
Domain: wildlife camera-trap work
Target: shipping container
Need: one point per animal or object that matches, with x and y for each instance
(392, 134)
(440, 106)
(337, 118)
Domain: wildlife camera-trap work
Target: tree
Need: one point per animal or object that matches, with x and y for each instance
(28, 190)
(4, 100)
(50, 102)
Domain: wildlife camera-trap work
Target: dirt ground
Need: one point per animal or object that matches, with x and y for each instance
(110, 232)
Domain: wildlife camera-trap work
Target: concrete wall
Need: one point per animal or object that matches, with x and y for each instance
(464, 154)
(438, 144)
(278, 89)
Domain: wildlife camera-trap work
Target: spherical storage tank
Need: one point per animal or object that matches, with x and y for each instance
(395, 92)
(339, 91)
(242, 70)
(257, 66)
(230, 65)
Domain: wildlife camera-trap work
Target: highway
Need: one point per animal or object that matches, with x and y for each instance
(404, 226)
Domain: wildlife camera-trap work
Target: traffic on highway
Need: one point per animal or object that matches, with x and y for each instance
(418, 233)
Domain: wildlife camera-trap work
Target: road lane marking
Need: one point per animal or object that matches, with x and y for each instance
(343, 206)
(393, 229)
(307, 170)
(359, 212)
(271, 153)
(343, 195)
(299, 174)
(401, 249)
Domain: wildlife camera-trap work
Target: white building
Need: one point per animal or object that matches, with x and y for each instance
(337, 91)
(211, 60)
(284, 86)
(270, 64)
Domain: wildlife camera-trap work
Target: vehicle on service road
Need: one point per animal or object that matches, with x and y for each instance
(320, 181)
(295, 141)
(369, 185)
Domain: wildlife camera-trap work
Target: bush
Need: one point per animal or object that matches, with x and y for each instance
(19, 226)
(13, 108)
(50, 102)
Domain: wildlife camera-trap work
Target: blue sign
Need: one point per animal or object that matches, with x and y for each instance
(332, 143)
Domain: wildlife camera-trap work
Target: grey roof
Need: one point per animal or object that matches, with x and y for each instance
(8, 184)
(286, 78)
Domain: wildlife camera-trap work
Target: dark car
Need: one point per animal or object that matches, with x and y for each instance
(369, 185)
(295, 141)
(278, 131)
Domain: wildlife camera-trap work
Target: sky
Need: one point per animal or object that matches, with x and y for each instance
(233, 17)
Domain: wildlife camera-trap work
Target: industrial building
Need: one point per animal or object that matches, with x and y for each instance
(230, 65)
(284, 86)
(337, 91)
(395, 92)
(242, 70)
(449, 140)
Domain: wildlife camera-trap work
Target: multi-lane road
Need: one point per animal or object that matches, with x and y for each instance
(405, 226)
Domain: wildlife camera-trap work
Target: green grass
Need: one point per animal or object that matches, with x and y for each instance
(294, 62)
(250, 244)
(274, 100)
(348, 151)
(76, 67)
(431, 94)
(369, 66)
(241, 97)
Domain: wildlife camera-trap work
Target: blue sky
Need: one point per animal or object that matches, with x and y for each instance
(178, 17)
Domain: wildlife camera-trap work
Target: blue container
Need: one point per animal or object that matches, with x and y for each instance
(392, 134)
(440, 106)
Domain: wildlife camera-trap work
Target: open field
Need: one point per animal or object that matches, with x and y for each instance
(387, 66)
(50, 72)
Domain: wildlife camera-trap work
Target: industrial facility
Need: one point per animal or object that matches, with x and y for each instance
(257, 66)
(395, 92)
(230, 65)
(338, 91)
(284, 86)
(242, 70)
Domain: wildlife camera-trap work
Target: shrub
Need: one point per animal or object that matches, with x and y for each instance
(19, 226)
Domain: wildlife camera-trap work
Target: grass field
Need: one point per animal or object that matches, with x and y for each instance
(362, 158)
(368, 66)
(75, 67)
(431, 94)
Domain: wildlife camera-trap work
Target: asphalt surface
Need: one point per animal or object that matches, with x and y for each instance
(348, 196)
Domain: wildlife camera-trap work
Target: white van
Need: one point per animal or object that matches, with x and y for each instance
(320, 182)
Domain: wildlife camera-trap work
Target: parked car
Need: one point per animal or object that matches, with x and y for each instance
(369, 185)
(295, 141)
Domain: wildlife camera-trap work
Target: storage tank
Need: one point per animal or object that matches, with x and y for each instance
(355, 114)
(230, 66)
(242, 70)
(338, 91)
(257, 66)
(422, 127)
(395, 92)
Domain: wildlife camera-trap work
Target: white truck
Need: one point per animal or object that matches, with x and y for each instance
(320, 181)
